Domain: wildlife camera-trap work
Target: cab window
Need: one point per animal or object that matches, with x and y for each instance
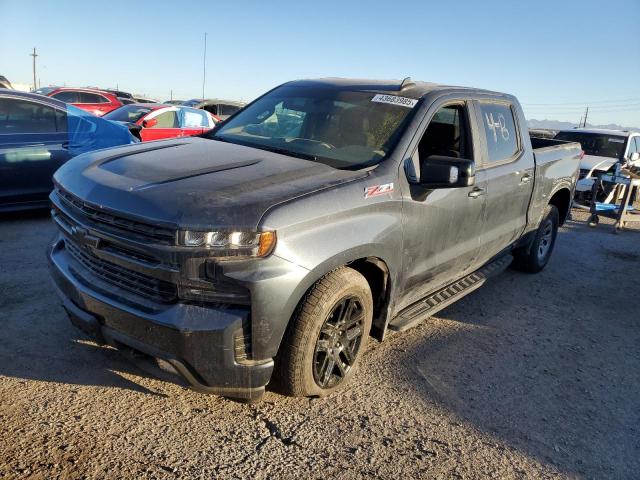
(500, 131)
(447, 134)
(167, 120)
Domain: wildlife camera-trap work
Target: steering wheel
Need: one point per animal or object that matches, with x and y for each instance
(306, 140)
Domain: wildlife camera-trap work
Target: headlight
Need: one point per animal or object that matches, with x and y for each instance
(231, 243)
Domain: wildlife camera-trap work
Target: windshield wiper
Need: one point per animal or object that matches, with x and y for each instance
(268, 148)
(284, 151)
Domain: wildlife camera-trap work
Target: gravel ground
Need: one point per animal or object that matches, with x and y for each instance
(531, 376)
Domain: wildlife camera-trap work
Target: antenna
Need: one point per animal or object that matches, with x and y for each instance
(406, 82)
(585, 117)
(204, 64)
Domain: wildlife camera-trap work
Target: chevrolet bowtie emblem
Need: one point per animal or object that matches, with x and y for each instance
(83, 237)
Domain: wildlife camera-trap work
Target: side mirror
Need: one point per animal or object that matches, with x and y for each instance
(152, 122)
(634, 157)
(438, 171)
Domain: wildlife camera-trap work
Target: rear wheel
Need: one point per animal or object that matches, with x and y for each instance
(537, 257)
(327, 336)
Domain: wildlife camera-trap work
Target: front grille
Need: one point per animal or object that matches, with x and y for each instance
(142, 231)
(137, 283)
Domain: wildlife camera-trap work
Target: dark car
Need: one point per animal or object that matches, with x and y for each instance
(324, 212)
(222, 109)
(45, 90)
(37, 135)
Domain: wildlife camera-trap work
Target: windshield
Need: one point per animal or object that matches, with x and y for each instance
(128, 113)
(343, 129)
(597, 144)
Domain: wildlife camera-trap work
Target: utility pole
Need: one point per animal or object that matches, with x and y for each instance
(171, 95)
(585, 117)
(34, 55)
(204, 64)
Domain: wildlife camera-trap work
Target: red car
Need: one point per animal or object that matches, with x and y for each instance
(97, 102)
(159, 120)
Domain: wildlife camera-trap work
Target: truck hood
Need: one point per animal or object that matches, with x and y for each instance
(590, 161)
(195, 182)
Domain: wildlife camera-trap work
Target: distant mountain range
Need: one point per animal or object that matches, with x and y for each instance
(558, 125)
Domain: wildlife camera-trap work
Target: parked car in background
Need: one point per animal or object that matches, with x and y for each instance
(45, 90)
(222, 109)
(603, 150)
(125, 97)
(269, 246)
(144, 100)
(174, 102)
(97, 102)
(4, 83)
(155, 121)
(37, 135)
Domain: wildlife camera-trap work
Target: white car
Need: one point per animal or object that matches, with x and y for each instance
(602, 150)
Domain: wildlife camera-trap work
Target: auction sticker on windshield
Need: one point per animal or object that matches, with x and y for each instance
(395, 100)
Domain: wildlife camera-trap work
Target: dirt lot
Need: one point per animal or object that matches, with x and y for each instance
(534, 376)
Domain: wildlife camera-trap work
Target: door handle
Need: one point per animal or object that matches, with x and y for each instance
(476, 192)
(526, 178)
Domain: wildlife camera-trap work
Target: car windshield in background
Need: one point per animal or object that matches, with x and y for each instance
(343, 129)
(597, 144)
(128, 113)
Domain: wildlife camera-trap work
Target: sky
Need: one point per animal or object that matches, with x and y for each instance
(556, 56)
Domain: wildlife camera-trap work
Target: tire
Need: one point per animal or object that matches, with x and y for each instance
(536, 257)
(315, 336)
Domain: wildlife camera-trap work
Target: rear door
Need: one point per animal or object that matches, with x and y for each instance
(509, 169)
(443, 226)
(193, 121)
(33, 145)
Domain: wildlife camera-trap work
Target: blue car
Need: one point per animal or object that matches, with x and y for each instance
(37, 135)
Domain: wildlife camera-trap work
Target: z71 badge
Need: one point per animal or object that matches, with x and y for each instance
(376, 190)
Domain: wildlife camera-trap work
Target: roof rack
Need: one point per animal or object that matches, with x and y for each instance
(407, 82)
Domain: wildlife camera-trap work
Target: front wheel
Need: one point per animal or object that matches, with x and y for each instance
(327, 336)
(537, 257)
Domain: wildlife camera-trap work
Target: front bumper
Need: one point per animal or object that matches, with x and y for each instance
(200, 342)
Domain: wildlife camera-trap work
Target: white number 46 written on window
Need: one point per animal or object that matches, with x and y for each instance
(497, 126)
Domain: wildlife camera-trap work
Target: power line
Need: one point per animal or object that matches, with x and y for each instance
(575, 111)
(636, 99)
(559, 107)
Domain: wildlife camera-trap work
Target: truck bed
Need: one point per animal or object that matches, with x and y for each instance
(556, 160)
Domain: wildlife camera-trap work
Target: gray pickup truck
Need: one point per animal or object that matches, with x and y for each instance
(326, 211)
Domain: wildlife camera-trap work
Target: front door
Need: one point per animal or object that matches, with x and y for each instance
(167, 125)
(442, 226)
(33, 145)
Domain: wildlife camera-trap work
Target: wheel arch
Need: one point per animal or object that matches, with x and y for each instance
(561, 199)
(373, 268)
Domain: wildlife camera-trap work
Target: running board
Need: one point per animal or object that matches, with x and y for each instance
(435, 302)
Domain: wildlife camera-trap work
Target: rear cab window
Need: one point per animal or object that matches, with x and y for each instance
(500, 132)
(596, 144)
